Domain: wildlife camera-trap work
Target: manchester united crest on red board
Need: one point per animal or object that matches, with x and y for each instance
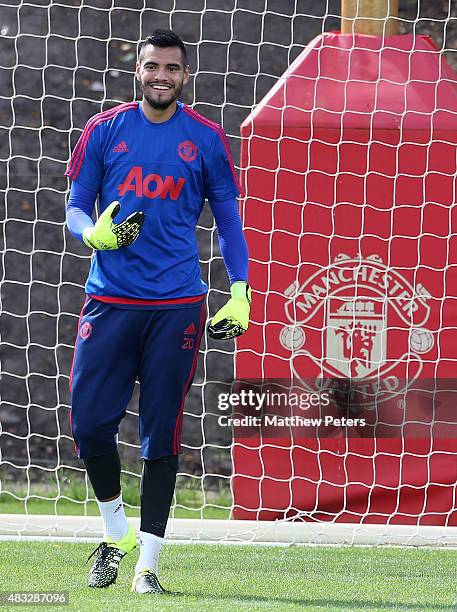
(187, 150)
(358, 319)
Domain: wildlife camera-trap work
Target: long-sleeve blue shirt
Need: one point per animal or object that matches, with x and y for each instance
(232, 243)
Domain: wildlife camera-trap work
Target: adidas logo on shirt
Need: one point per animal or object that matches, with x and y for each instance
(121, 147)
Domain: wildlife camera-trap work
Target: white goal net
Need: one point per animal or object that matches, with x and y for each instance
(63, 61)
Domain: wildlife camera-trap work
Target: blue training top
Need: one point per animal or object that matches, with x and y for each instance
(165, 170)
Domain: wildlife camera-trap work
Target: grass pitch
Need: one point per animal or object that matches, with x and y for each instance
(72, 497)
(220, 577)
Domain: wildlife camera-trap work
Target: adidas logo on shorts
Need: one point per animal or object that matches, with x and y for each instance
(190, 330)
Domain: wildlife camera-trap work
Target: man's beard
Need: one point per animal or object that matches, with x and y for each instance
(156, 104)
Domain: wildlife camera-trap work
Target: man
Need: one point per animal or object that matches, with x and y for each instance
(152, 164)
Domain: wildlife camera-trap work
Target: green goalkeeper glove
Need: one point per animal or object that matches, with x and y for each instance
(232, 320)
(107, 235)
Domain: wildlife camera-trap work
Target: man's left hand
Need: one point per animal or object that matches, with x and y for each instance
(232, 320)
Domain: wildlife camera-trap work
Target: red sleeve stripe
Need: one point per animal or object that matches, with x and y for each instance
(217, 128)
(78, 154)
(80, 149)
(80, 145)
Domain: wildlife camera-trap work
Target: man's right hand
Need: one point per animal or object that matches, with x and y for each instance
(106, 235)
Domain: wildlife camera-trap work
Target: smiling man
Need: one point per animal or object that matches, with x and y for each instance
(151, 164)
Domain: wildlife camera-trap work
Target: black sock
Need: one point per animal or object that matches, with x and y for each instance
(104, 474)
(157, 486)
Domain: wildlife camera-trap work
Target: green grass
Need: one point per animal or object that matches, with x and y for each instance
(187, 507)
(208, 578)
(71, 498)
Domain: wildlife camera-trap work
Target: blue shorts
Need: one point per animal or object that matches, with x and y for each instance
(113, 349)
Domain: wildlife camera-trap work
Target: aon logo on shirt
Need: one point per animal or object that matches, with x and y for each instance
(151, 186)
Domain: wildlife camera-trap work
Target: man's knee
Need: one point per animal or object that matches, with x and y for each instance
(92, 440)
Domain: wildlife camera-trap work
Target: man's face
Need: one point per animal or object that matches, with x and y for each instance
(161, 75)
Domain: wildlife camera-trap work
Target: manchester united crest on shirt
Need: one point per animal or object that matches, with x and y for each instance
(187, 151)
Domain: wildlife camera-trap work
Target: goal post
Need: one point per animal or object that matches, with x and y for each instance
(222, 531)
(346, 157)
(374, 17)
